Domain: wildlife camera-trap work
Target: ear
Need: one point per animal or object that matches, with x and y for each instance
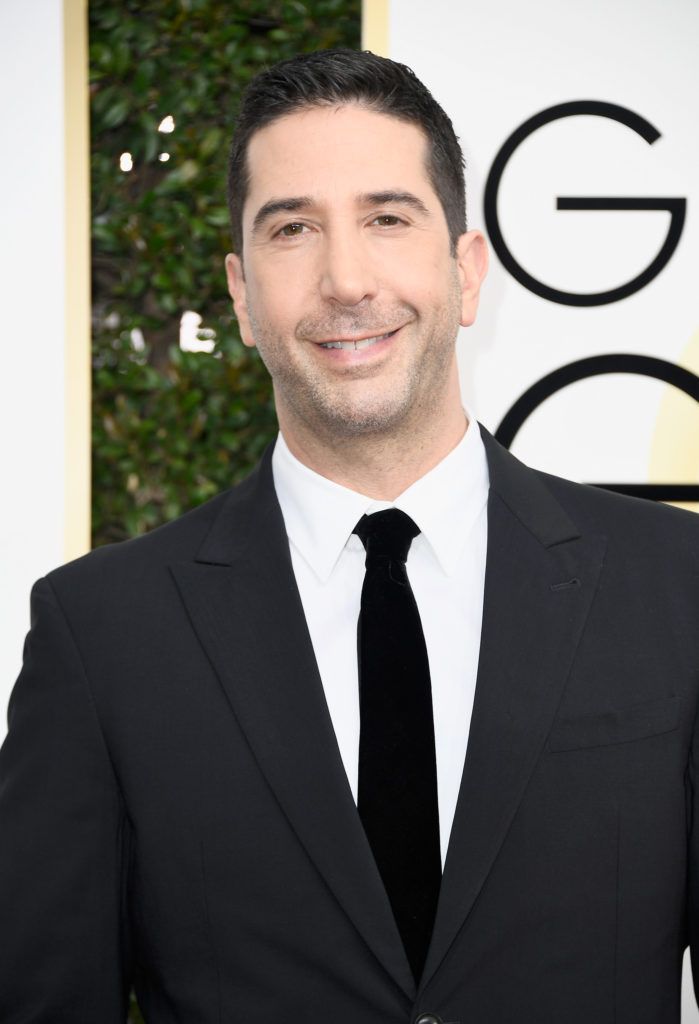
(238, 292)
(472, 264)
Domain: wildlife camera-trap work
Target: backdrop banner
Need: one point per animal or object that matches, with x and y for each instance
(581, 144)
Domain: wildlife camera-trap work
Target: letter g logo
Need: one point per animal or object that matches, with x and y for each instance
(676, 206)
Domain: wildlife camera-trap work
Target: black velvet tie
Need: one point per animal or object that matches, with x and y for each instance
(397, 798)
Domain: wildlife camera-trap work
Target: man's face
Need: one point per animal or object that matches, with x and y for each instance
(347, 286)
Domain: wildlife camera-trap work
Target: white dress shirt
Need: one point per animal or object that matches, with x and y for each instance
(446, 569)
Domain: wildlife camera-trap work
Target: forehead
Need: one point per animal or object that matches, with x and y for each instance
(333, 152)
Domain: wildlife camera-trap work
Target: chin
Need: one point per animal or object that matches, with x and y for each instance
(366, 421)
(360, 411)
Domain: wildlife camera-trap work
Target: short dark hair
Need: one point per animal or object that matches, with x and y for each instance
(337, 77)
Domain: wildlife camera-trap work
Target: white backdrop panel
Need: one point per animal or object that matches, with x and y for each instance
(495, 66)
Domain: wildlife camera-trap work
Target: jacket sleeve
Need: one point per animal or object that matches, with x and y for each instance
(692, 806)
(64, 839)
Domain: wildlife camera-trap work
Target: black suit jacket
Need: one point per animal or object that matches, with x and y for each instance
(174, 811)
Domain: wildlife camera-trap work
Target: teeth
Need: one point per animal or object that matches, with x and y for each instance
(364, 343)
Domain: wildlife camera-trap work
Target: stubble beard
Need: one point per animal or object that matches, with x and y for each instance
(337, 410)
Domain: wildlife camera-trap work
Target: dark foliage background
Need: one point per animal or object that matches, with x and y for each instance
(172, 428)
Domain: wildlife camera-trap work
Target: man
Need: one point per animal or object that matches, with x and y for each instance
(263, 807)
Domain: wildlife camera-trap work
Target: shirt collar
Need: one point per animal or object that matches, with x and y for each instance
(320, 514)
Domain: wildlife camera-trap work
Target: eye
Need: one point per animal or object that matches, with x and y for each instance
(387, 220)
(292, 230)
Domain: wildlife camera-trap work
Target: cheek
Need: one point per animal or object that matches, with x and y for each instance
(424, 275)
(278, 293)
(269, 305)
(436, 297)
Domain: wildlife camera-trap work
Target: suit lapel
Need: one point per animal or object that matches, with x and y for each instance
(533, 616)
(243, 602)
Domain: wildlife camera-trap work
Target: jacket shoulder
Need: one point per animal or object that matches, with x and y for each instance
(606, 508)
(177, 540)
(554, 507)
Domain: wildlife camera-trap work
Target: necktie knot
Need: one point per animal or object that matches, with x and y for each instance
(387, 534)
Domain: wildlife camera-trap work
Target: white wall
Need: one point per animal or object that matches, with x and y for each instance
(32, 312)
(44, 305)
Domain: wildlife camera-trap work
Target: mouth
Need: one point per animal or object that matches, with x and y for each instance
(356, 344)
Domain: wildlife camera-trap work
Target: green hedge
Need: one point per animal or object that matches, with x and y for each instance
(172, 428)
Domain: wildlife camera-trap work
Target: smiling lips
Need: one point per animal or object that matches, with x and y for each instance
(356, 345)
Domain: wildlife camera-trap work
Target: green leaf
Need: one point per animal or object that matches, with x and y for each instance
(117, 113)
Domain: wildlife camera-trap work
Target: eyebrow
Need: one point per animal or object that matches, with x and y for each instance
(274, 206)
(292, 204)
(394, 196)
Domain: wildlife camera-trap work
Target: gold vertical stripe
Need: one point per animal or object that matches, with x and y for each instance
(375, 15)
(77, 383)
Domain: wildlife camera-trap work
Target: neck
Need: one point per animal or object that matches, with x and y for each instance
(380, 466)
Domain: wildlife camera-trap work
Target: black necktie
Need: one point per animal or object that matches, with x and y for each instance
(397, 797)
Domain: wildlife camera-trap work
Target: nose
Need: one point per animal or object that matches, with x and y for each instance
(347, 272)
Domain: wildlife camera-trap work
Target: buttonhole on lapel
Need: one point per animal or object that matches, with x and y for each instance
(575, 582)
(396, 576)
